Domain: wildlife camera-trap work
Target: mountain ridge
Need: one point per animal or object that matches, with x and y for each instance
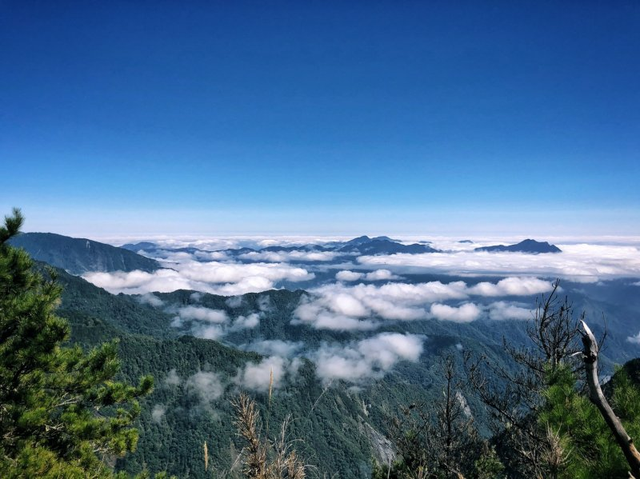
(81, 255)
(530, 246)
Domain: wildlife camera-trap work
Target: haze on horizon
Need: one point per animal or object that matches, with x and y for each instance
(241, 118)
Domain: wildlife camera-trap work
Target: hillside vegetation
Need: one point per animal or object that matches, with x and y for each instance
(441, 416)
(80, 255)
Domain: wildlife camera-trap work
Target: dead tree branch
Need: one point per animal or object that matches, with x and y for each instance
(590, 359)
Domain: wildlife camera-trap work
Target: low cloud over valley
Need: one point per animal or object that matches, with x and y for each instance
(349, 293)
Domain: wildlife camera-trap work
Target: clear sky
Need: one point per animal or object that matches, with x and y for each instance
(309, 117)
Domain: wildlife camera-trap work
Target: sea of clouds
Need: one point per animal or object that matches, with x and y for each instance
(576, 262)
(361, 293)
(213, 270)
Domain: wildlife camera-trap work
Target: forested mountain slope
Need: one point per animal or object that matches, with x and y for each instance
(80, 255)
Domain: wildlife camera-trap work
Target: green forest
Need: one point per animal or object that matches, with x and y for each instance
(100, 385)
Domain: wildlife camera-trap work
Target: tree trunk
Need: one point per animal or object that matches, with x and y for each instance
(590, 358)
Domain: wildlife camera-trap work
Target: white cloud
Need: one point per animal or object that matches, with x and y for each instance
(158, 412)
(204, 331)
(418, 293)
(231, 273)
(206, 385)
(172, 378)
(203, 322)
(345, 364)
(369, 358)
(250, 284)
(257, 376)
(264, 303)
(170, 257)
(351, 307)
(214, 277)
(386, 349)
(348, 275)
(141, 282)
(342, 323)
(175, 241)
(377, 275)
(634, 339)
(362, 306)
(222, 243)
(211, 255)
(234, 301)
(512, 287)
(150, 299)
(341, 307)
(287, 256)
(502, 310)
(462, 314)
(196, 297)
(319, 314)
(246, 322)
(201, 313)
(604, 257)
(347, 305)
(275, 347)
(380, 275)
(585, 262)
(212, 324)
(393, 310)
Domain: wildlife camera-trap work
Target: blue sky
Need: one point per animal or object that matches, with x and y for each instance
(308, 117)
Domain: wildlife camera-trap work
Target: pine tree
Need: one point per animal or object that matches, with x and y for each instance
(584, 446)
(62, 414)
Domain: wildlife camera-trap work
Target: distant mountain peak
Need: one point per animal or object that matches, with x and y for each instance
(358, 240)
(141, 246)
(384, 238)
(529, 245)
(381, 245)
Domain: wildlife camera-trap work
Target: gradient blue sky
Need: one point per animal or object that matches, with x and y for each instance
(398, 117)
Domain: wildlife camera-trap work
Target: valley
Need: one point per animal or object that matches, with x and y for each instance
(346, 347)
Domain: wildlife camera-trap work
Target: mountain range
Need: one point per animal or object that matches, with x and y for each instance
(362, 245)
(340, 422)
